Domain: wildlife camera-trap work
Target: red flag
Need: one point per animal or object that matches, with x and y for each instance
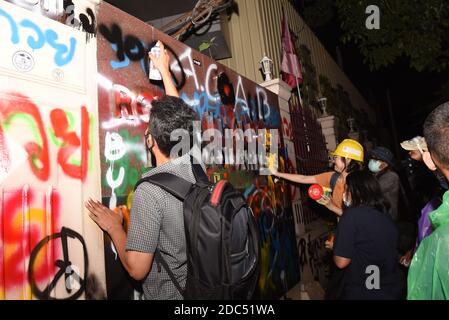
(291, 67)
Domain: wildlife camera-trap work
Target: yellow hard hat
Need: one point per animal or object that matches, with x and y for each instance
(350, 149)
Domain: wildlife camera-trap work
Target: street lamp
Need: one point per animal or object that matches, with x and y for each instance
(323, 105)
(267, 67)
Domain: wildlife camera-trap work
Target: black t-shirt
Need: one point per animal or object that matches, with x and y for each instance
(369, 238)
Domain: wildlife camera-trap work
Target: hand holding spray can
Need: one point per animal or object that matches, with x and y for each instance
(317, 192)
(154, 73)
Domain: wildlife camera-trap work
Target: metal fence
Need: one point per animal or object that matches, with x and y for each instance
(311, 153)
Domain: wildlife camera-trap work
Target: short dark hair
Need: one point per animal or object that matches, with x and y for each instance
(365, 189)
(167, 115)
(436, 133)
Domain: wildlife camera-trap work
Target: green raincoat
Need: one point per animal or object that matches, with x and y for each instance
(428, 276)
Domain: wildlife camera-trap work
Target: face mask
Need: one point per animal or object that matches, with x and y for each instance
(150, 149)
(346, 202)
(374, 166)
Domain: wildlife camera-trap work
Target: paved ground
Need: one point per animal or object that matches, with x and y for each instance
(308, 291)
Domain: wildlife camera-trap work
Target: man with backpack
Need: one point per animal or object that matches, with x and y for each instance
(187, 238)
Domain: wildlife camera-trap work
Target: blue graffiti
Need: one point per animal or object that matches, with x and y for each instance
(37, 43)
(272, 118)
(243, 111)
(63, 55)
(126, 61)
(118, 64)
(13, 25)
(60, 48)
(201, 104)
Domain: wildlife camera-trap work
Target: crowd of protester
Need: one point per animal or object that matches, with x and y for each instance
(392, 237)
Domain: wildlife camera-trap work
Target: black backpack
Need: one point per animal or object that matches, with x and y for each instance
(223, 253)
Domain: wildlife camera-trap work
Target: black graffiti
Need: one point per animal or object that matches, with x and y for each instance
(63, 266)
(135, 49)
(310, 253)
(302, 247)
(313, 249)
(86, 22)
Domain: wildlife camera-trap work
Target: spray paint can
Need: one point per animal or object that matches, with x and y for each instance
(317, 192)
(154, 73)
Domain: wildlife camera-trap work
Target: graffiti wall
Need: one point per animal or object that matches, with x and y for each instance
(49, 249)
(74, 104)
(221, 99)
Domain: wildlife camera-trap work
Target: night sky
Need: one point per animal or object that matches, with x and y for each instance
(413, 94)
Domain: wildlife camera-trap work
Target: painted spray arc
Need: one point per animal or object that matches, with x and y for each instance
(221, 99)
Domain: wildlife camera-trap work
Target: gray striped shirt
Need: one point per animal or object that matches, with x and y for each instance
(157, 222)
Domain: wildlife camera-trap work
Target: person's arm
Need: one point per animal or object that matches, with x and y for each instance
(341, 262)
(296, 178)
(137, 264)
(273, 168)
(328, 203)
(162, 63)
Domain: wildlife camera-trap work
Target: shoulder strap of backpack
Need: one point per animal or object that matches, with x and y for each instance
(174, 185)
(160, 260)
(198, 171)
(334, 180)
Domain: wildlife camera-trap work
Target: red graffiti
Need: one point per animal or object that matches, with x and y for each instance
(5, 162)
(123, 101)
(287, 128)
(36, 152)
(38, 155)
(128, 104)
(71, 143)
(23, 227)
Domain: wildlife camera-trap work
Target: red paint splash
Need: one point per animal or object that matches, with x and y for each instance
(17, 243)
(71, 143)
(21, 104)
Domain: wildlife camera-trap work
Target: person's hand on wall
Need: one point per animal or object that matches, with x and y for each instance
(104, 217)
(161, 63)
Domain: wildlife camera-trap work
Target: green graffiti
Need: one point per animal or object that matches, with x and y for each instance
(29, 121)
(53, 138)
(133, 163)
(75, 162)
